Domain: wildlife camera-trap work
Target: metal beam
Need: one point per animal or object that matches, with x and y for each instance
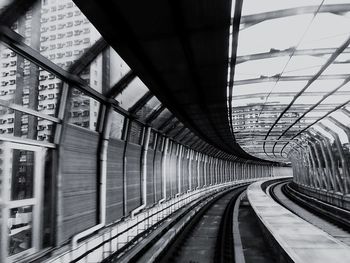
(314, 78)
(312, 108)
(141, 103)
(278, 77)
(258, 18)
(121, 84)
(317, 52)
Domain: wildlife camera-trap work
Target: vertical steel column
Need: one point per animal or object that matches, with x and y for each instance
(318, 163)
(179, 163)
(164, 159)
(327, 164)
(198, 158)
(189, 155)
(204, 160)
(314, 172)
(339, 146)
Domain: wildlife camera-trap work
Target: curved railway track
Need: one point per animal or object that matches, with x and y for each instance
(208, 237)
(333, 220)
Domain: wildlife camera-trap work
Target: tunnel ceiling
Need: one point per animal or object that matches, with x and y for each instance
(180, 51)
(283, 71)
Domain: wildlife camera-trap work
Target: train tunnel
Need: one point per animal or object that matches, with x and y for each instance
(174, 131)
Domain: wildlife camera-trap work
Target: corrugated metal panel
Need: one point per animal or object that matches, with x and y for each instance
(78, 159)
(168, 173)
(133, 176)
(184, 174)
(158, 175)
(115, 194)
(194, 173)
(150, 178)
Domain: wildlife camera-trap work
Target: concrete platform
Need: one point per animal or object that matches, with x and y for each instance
(301, 241)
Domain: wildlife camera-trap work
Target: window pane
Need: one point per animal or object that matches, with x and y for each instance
(118, 67)
(152, 105)
(135, 133)
(117, 124)
(22, 181)
(19, 124)
(161, 118)
(20, 226)
(131, 94)
(82, 110)
(24, 83)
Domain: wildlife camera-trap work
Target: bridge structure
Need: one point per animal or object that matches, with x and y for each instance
(117, 116)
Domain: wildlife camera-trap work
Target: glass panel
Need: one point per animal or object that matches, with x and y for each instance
(25, 84)
(342, 135)
(272, 34)
(161, 118)
(304, 66)
(95, 74)
(58, 29)
(152, 140)
(323, 34)
(19, 124)
(171, 125)
(83, 110)
(118, 67)
(175, 131)
(135, 133)
(151, 106)
(253, 7)
(117, 124)
(341, 117)
(183, 134)
(20, 229)
(256, 68)
(319, 86)
(22, 180)
(131, 94)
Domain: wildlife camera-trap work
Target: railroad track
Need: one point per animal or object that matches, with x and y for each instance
(208, 237)
(333, 220)
(201, 233)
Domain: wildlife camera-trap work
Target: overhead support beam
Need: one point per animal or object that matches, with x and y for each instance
(141, 103)
(344, 162)
(314, 78)
(88, 56)
(278, 77)
(317, 52)
(121, 84)
(258, 18)
(234, 44)
(311, 109)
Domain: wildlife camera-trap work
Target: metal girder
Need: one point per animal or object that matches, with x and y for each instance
(155, 114)
(141, 102)
(179, 132)
(319, 119)
(232, 64)
(317, 52)
(313, 107)
(166, 122)
(176, 123)
(121, 84)
(15, 42)
(257, 18)
(310, 78)
(285, 94)
(315, 77)
(88, 56)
